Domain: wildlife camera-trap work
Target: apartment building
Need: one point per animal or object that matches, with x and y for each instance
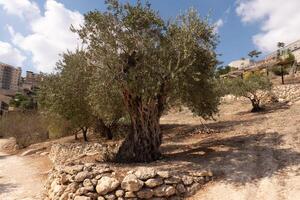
(31, 80)
(10, 78)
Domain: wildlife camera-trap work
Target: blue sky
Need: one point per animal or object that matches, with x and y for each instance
(33, 32)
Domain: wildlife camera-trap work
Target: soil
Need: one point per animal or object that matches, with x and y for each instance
(252, 155)
(22, 178)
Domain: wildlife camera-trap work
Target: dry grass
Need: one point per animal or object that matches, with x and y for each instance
(28, 128)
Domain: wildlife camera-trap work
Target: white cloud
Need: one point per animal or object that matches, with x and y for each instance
(218, 24)
(25, 9)
(279, 21)
(50, 35)
(11, 55)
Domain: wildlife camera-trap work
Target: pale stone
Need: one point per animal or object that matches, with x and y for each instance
(132, 183)
(172, 180)
(81, 176)
(73, 169)
(164, 191)
(154, 182)
(110, 197)
(129, 195)
(82, 198)
(187, 180)
(120, 193)
(106, 185)
(144, 173)
(87, 182)
(164, 174)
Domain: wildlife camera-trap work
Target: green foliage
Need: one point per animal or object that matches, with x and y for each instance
(74, 94)
(23, 102)
(65, 93)
(279, 70)
(254, 87)
(139, 54)
(224, 70)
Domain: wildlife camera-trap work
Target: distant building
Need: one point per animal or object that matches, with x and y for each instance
(240, 64)
(294, 48)
(31, 80)
(10, 78)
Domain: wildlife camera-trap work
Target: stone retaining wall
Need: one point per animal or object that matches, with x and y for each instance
(99, 182)
(68, 152)
(289, 92)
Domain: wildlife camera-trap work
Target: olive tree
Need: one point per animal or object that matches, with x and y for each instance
(153, 64)
(65, 91)
(254, 87)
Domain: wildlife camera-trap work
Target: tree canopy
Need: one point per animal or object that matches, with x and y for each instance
(152, 64)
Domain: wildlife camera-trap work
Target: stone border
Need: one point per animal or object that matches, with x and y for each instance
(92, 181)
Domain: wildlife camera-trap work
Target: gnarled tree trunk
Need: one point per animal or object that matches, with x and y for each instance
(104, 130)
(142, 144)
(255, 105)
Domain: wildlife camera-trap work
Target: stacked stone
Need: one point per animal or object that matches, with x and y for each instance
(99, 182)
(62, 153)
(289, 92)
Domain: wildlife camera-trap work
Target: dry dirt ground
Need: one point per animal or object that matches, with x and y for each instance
(253, 156)
(21, 178)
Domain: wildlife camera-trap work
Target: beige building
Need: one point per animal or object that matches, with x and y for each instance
(240, 64)
(294, 48)
(10, 78)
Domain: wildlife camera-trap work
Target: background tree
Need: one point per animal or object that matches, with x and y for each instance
(24, 101)
(65, 92)
(254, 53)
(152, 64)
(254, 87)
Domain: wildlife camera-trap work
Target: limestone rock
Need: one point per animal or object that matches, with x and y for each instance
(73, 169)
(154, 182)
(82, 198)
(120, 193)
(129, 195)
(132, 183)
(193, 189)
(187, 180)
(164, 174)
(172, 180)
(110, 197)
(145, 193)
(87, 182)
(164, 191)
(106, 185)
(81, 176)
(144, 173)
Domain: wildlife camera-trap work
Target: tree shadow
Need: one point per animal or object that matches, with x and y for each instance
(179, 132)
(241, 159)
(269, 108)
(7, 187)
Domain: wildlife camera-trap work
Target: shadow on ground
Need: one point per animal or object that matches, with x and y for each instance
(179, 132)
(6, 188)
(241, 159)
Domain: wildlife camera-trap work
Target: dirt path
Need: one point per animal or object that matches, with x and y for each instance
(21, 178)
(256, 158)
